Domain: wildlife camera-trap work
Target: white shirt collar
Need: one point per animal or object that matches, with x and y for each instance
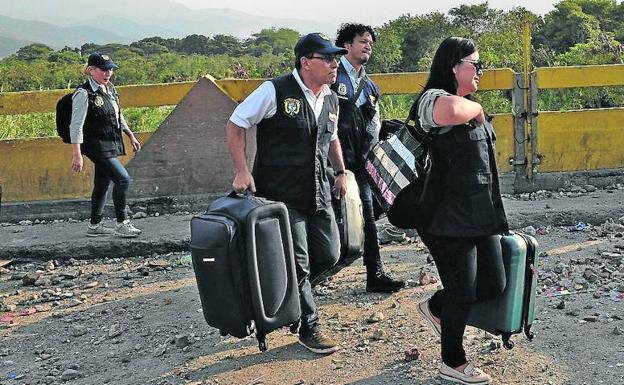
(325, 90)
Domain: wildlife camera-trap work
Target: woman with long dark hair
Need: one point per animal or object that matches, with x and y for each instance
(462, 235)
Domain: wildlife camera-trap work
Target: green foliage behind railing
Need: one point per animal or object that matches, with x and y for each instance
(140, 119)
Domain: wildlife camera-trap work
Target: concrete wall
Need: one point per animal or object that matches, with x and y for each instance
(188, 154)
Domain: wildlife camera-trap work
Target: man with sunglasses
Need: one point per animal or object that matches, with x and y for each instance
(296, 117)
(358, 130)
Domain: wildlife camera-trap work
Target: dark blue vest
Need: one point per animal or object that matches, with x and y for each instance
(292, 149)
(354, 139)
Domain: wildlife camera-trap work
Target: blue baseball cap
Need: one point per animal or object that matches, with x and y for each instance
(103, 62)
(317, 42)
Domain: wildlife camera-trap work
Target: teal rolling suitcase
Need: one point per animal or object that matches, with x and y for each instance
(514, 310)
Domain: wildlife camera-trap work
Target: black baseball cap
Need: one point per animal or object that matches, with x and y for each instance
(317, 42)
(103, 62)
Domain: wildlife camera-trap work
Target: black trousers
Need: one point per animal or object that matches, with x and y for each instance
(109, 170)
(471, 270)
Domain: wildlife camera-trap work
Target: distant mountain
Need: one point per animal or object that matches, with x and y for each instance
(9, 46)
(74, 22)
(53, 35)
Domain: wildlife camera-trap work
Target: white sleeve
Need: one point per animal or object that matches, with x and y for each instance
(80, 105)
(425, 107)
(260, 104)
(335, 133)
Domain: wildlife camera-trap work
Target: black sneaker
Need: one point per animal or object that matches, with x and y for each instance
(382, 283)
(317, 342)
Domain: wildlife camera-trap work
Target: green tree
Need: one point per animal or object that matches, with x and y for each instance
(225, 45)
(33, 52)
(280, 40)
(567, 25)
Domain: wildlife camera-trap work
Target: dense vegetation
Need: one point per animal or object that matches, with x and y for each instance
(576, 32)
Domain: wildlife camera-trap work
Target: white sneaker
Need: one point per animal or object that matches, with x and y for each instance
(98, 230)
(125, 229)
(470, 375)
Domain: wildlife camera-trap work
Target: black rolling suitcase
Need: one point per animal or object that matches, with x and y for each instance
(514, 310)
(244, 265)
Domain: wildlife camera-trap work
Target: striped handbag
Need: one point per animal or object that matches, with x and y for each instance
(396, 161)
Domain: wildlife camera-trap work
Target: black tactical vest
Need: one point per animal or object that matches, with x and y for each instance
(102, 131)
(292, 149)
(467, 176)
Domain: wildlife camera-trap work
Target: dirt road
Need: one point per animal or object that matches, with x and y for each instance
(138, 321)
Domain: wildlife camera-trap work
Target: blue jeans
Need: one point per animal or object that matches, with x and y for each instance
(471, 270)
(371, 243)
(107, 170)
(316, 246)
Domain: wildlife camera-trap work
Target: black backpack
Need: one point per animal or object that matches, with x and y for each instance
(63, 116)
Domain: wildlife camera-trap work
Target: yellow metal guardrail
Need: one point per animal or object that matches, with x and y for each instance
(568, 140)
(581, 139)
(151, 95)
(580, 76)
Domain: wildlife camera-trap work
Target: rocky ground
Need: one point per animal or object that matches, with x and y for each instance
(139, 321)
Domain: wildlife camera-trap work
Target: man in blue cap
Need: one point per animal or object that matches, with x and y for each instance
(296, 117)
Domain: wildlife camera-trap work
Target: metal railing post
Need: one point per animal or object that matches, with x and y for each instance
(519, 118)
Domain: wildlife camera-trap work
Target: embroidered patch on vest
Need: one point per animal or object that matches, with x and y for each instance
(292, 107)
(98, 101)
(342, 89)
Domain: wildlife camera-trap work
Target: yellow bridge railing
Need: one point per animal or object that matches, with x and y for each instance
(563, 140)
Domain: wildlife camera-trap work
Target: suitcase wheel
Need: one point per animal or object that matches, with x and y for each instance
(507, 342)
(223, 333)
(262, 344)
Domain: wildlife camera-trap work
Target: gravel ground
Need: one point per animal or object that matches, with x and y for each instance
(138, 320)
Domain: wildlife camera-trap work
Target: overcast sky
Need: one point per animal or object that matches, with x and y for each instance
(364, 11)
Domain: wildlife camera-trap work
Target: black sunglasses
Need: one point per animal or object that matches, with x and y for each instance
(477, 64)
(329, 58)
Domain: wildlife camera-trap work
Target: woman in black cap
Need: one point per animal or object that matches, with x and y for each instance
(95, 130)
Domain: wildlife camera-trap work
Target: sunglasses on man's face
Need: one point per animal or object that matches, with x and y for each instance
(477, 64)
(326, 58)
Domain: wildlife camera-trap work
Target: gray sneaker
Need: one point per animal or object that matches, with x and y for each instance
(125, 229)
(99, 230)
